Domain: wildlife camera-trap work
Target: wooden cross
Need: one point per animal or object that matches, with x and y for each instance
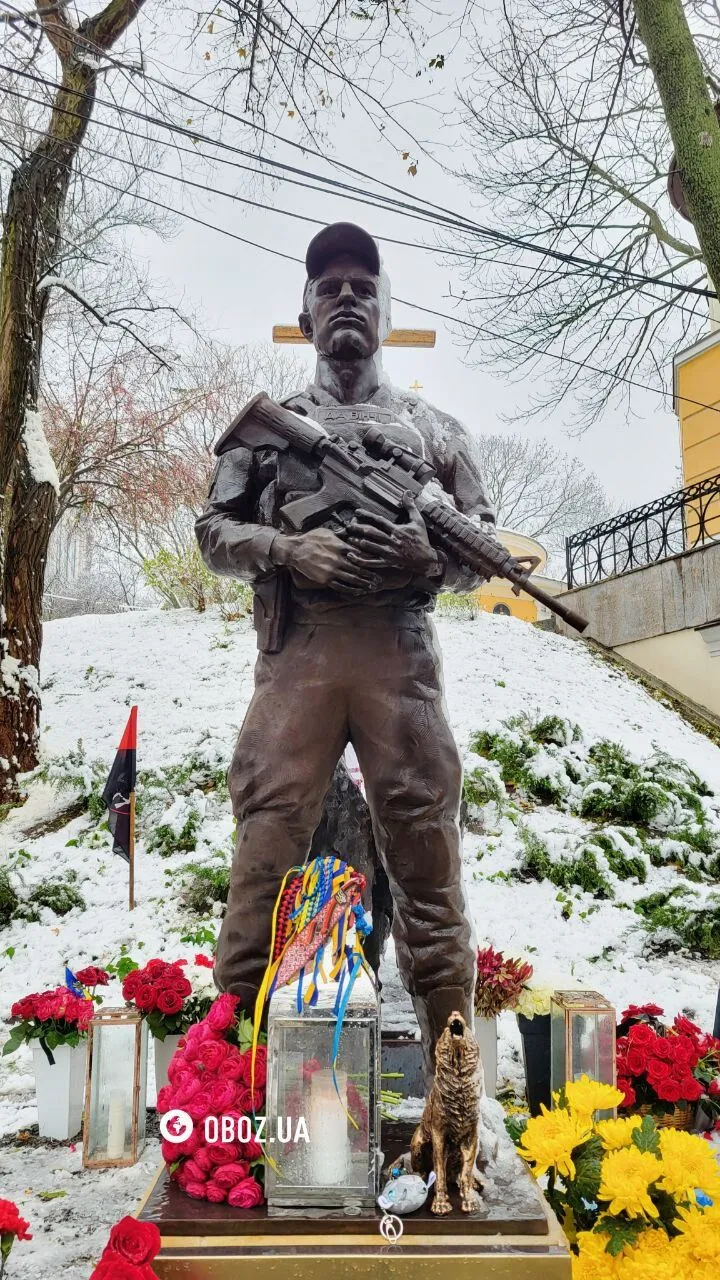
(416, 386)
(290, 333)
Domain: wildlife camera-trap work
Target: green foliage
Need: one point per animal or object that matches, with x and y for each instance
(205, 884)
(61, 895)
(622, 1232)
(123, 965)
(613, 845)
(182, 580)
(647, 1137)
(557, 730)
(515, 1127)
(9, 900)
(481, 786)
(200, 936)
(510, 749)
(588, 1171)
(459, 607)
(581, 872)
(677, 921)
(74, 772)
(176, 837)
(652, 810)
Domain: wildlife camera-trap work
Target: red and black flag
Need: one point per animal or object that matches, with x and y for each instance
(119, 788)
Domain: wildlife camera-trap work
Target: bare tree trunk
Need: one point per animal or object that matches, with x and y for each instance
(31, 236)
(690, 116)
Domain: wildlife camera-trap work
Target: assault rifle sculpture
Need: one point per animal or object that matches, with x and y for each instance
(374, 474)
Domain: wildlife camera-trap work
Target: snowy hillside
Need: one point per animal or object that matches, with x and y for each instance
(553, 872)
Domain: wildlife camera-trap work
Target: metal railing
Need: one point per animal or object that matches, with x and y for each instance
(678, 522)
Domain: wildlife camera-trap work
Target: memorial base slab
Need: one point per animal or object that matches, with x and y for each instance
(514, 1236)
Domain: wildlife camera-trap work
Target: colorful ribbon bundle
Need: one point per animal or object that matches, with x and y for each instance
(317, 904)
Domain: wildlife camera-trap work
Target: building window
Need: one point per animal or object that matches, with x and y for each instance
(503, 609)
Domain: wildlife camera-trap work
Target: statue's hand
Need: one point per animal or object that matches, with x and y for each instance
(377, 543)
(322, 558)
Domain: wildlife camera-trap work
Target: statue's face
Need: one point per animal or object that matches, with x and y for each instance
(343, 311)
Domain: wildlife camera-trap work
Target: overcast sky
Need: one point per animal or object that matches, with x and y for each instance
(241, 291)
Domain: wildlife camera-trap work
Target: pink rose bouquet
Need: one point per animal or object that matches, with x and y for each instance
(210, 1078)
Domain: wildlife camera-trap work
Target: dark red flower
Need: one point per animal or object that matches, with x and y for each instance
(636, 1061)
(205, 962)
(630, 1097)
(135, 1241)
(145, 997)
(640, 1011)
(11, 1223)
(24, 1008)
(686, 1027)
(131, 984)
(641, 1033)
(111, 1268)
(93, 977)
(169, 1002)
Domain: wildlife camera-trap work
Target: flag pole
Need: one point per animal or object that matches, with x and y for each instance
(131, 853)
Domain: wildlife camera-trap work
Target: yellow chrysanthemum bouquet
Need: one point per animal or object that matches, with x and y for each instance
(636, 1202)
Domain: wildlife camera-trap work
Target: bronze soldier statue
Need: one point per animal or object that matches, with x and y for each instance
(348, 652)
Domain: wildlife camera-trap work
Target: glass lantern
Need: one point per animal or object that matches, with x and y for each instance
(582, 1039)
(322, 1140)
(115, 1113)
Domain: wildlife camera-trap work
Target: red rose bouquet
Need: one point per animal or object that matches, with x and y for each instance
(171, 996)
(93, 977)
(12, 1228)
(51, 1017)
(129, 1252)
(499, 982)
(211, 1079)
(661, 1066)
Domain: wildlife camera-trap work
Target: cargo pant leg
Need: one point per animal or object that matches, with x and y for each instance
(292, 736)
(413, 780)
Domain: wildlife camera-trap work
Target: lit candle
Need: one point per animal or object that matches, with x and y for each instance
(329, 1141)
(116, 1126)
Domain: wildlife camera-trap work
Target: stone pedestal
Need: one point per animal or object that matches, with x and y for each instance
(513, 1236)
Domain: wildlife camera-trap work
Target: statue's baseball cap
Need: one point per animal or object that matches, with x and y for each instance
(337, 239)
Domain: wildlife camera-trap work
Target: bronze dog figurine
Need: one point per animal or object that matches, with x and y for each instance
(446, 1139)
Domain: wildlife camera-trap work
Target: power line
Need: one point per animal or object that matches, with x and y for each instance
(229, 195)
(538, 351)
(448, 219)
(404, 302)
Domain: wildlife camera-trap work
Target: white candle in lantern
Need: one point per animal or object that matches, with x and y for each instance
(329, 1141)
(116, 1126)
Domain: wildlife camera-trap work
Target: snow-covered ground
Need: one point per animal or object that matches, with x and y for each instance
(192, 678)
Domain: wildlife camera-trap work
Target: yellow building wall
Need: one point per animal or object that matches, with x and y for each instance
(491, 594)
(697, 384)
(498, 591)
(681, 659)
